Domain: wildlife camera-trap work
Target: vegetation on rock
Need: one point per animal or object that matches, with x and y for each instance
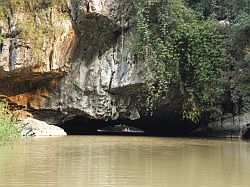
(235, 76)
(181, 42)
(220, 9)
(236, 66)
(37, 24)
(179, 49)
(9, 130)
(188, 47)
(11, 6)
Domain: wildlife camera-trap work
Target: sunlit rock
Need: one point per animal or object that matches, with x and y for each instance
(34, 127)
(86, 68)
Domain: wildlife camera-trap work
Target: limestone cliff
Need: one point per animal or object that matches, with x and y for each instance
(58, 61)
(83, 67)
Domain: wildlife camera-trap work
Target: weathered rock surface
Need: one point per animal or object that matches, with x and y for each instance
(228, 127)
(247, 116)
(33, 127)
(87, 69)
(18, 61)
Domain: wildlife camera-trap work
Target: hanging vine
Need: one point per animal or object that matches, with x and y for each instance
(178, 49)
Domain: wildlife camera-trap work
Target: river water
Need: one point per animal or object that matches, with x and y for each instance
(109, 161)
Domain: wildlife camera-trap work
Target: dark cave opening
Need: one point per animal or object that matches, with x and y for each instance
(247, 135)
(80, 125)
(1, 47)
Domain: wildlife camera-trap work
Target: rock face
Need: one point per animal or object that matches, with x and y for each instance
(87, 69)
(247, 116)
(22, 59)
(228, 127)
(33, 127)
(75, 60)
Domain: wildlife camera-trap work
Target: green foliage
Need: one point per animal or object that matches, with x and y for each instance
(9, 130)
(179, 49)
(198, 46)
(236, 66)
(220, 9)
(235, 82)
(154, 46)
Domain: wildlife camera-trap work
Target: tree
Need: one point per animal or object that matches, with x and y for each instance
(180, 49)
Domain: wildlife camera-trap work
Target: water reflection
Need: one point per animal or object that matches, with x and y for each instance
(125, 161)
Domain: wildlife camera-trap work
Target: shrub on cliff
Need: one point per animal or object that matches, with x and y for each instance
(220, 9)
(9, 130)
(235, 81)
(179, 49)
(236, 66)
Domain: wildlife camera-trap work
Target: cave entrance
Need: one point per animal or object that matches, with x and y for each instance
(1, 46)
(80, 125)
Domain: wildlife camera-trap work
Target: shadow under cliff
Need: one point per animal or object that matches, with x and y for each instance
(152, 126)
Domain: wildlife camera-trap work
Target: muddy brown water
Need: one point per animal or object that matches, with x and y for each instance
(119, 161)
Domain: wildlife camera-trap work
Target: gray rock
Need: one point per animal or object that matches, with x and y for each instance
(231, 126)
(88, 69)
(34, 127)
(247, 116)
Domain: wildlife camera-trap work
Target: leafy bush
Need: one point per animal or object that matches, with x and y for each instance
(236, 66)
(179, 49)
(220, 9)
(9, 130)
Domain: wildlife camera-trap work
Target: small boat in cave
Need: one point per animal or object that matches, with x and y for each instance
(120, 130)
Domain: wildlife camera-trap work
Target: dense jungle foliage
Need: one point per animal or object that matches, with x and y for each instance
(202, 46)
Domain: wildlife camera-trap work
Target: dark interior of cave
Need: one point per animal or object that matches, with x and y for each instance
(247, 135)
(1, 47)
(80, 125)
